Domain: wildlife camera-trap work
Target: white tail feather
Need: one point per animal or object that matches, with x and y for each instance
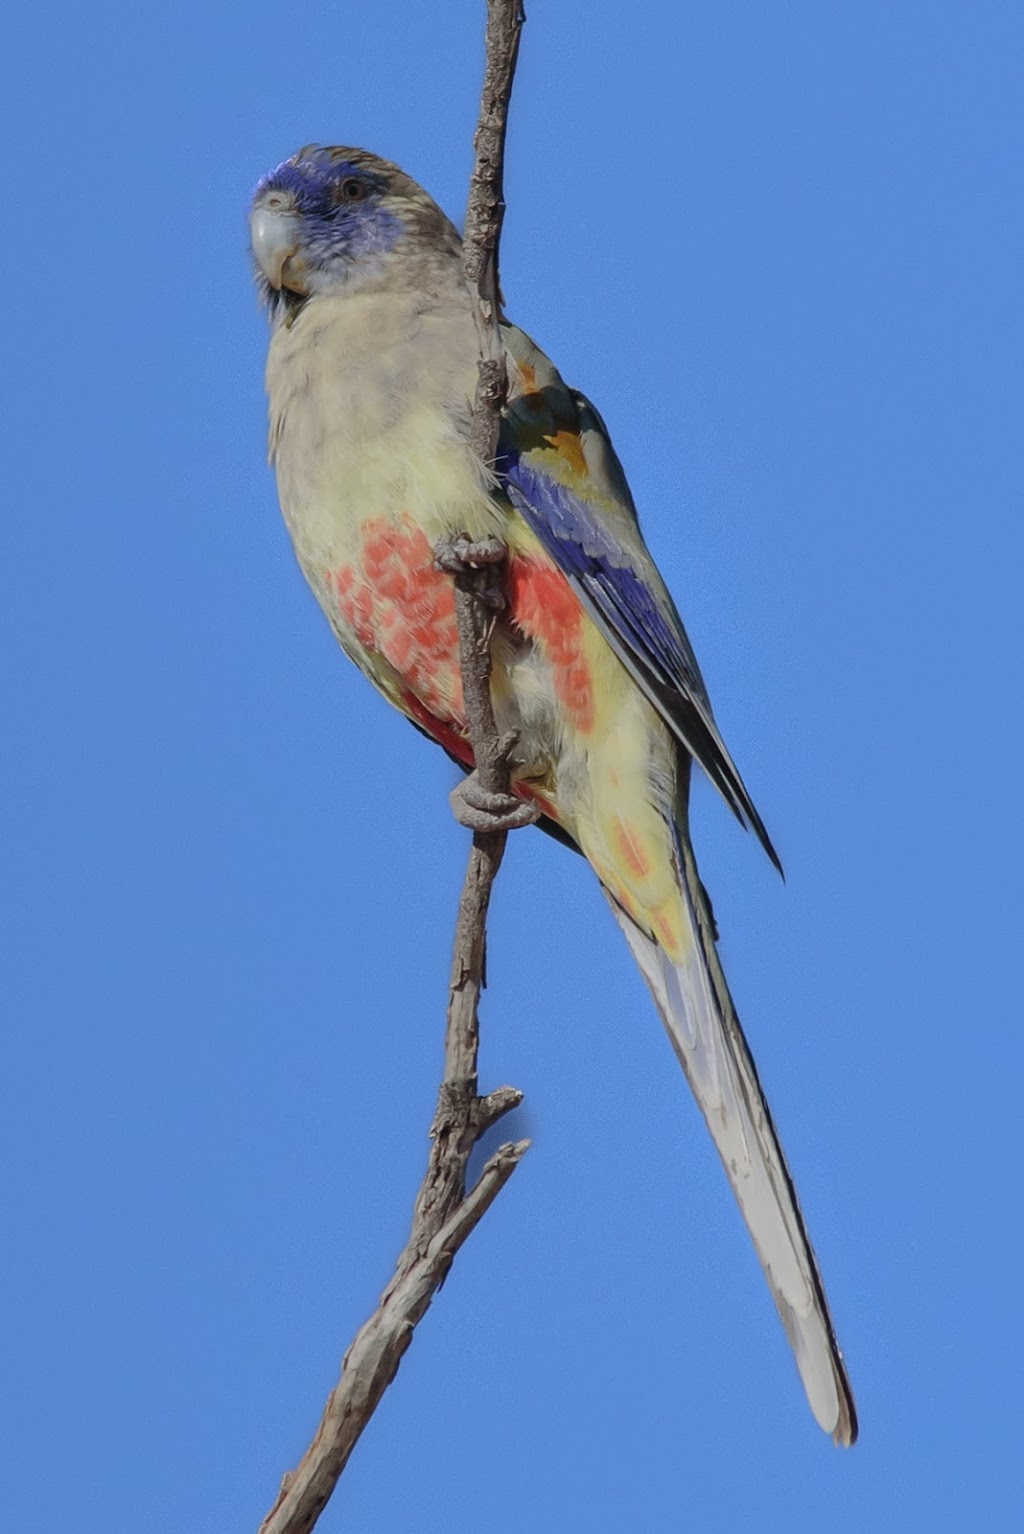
(702, 1024)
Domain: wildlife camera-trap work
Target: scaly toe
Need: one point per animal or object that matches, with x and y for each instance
(455, 555)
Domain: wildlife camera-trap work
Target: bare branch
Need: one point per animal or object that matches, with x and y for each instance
(372, 1360)
(485, 215)
(445, 1213)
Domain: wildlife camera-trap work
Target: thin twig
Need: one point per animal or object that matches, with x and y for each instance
(444, 1212)
(485, 215)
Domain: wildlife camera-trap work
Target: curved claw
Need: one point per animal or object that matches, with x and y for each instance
(478, 810)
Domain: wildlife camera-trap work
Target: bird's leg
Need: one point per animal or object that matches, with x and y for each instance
(475, 806)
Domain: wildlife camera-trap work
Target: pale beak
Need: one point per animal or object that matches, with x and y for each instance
(275, 238)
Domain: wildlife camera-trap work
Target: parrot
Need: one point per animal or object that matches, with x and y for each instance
(370, 377)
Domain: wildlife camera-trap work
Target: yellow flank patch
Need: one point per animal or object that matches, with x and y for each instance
(521, 539)
(620, 815)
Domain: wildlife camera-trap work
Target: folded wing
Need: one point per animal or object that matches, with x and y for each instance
(563, 477)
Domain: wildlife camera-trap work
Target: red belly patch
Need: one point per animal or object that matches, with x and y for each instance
(403, 609)
(545, 608)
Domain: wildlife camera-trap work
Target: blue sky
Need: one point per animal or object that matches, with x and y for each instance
(781, 248)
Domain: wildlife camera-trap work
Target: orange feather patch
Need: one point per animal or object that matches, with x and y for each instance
(568, 446)
(629, 848)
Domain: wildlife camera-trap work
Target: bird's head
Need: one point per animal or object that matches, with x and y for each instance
(333, 220)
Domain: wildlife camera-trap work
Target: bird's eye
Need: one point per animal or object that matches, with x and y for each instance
(352, 190)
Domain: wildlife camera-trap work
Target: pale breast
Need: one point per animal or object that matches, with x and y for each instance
(369, 411)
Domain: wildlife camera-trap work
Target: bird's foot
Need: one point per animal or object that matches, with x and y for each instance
(461, 556)
(457, 554)
(479, 810)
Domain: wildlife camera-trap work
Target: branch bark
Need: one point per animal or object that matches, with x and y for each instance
(485, 215)
(444, 1213)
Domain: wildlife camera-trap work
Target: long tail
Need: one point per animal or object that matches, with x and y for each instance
(697, 1010)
